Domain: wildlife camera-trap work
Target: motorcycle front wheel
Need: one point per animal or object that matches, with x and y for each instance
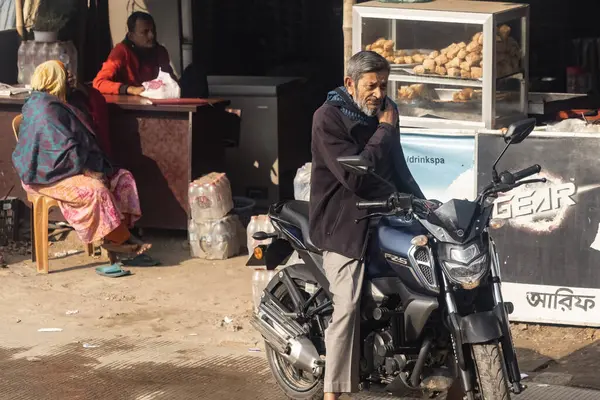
(296, 384)
(491, 374)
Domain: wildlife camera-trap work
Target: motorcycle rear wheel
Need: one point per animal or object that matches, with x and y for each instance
(491, 374)
(296, 384)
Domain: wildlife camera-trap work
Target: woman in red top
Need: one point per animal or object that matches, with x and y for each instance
(135, 60)
(92, 103)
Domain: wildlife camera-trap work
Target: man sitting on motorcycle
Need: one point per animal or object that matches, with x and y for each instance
(357, 119)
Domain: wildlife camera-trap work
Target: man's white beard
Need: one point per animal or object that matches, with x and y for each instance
(365, 109)
(363, 106)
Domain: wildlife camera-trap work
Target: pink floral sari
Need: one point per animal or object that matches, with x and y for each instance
(90, 207)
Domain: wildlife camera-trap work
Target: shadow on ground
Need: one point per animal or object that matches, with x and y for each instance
(73, 372)
(579, 368)
(126, 369)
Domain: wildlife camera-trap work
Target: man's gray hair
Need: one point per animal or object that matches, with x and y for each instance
(364, 62)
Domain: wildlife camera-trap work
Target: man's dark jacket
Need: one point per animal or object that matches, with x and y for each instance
(341, 129)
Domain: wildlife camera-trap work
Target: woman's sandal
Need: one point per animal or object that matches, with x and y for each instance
(141, 260)
(126, 248)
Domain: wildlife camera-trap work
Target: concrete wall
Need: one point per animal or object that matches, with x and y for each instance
(168, 23)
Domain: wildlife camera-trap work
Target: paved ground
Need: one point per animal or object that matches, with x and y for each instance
(127, 369)
(181, 332)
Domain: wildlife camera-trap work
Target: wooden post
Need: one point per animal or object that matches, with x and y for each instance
(347, 28)
(20, 19)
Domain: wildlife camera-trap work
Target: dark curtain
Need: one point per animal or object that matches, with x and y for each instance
(97, 42)
(269, 37)
(9, 46)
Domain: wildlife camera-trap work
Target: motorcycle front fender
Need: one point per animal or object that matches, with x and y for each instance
(481, 327)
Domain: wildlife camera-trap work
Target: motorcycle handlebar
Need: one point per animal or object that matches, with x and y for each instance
(524, 173)
(365, 205)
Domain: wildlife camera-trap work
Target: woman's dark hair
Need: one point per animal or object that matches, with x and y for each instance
(131, 21)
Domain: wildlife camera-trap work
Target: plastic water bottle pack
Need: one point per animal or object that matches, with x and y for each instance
(213, 234)
(210, 197)
(31, 54)
(217, 239)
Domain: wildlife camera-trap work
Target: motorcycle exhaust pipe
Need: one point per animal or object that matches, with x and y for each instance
(274, 313)
(269, 333)
(298, 350)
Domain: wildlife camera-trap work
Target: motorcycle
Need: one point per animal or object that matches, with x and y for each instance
(432, 311)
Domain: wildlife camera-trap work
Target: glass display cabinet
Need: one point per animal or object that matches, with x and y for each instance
(456, 64)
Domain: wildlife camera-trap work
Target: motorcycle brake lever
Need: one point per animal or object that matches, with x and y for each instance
(497, 189)
(541, 180)
(521, 183)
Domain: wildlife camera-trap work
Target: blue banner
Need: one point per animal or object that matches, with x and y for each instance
(443, 166)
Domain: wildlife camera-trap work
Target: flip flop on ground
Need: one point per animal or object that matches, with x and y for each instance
(112, 271)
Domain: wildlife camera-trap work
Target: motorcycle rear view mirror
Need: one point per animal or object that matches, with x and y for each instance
(359, 166)
(355, 164)
(519, 131)
(516, 133)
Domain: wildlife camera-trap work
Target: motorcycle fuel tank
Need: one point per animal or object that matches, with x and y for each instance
(388, 252)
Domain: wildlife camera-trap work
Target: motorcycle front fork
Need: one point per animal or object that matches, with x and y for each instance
(464, 373)
(508, 348)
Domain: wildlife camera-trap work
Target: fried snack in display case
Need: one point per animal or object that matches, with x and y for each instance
(457, 63)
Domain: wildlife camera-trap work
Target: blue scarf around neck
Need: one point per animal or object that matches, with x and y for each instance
(340, 98)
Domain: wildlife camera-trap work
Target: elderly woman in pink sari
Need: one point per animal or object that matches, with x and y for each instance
(57, 155)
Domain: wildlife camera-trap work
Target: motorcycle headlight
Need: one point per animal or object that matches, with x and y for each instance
(464, 255)
(466, 266)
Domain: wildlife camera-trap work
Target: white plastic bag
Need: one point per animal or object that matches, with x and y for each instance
(573, 125)
(302, 183)
(163, 87)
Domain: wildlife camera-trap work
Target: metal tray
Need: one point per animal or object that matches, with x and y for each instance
(412, 51)
(551, 103)
(409, 71)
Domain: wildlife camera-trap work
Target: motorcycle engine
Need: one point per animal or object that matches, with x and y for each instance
(379, 353)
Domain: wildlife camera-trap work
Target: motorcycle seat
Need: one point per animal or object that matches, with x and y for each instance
(295, 213)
